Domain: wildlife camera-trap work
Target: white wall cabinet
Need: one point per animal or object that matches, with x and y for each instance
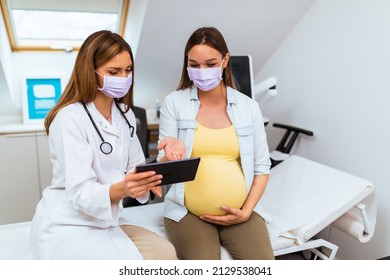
(25, 166)
(44, 164)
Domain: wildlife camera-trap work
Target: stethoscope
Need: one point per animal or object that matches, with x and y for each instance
(106, 147)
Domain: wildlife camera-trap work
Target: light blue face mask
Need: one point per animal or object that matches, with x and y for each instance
(205, 79)
(116, 87)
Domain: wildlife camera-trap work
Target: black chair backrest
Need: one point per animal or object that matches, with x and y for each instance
(142, 128)
(142, 134)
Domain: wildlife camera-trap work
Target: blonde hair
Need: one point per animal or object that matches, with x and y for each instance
(99, 48)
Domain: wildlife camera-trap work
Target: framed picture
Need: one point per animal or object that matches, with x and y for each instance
(40, 94)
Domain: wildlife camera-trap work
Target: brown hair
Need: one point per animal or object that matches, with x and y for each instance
(211, 37)
(99, 48)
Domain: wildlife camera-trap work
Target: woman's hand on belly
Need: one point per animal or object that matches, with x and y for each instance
(233, 216)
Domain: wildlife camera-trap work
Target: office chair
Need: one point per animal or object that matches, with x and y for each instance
(142, 128)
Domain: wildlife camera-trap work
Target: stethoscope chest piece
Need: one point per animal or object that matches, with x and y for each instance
(106, 148)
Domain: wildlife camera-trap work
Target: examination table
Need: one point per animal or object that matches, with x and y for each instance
(302, 198)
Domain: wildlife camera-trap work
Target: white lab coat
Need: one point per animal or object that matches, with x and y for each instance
(75, 218)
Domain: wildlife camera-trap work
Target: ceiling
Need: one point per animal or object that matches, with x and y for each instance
(255, 27)
(158, 31)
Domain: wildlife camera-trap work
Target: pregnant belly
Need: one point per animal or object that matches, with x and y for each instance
(217, 183)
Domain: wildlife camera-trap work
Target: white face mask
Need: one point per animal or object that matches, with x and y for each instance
(205, 79)
(116, 87)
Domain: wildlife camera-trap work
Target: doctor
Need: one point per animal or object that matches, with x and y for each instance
(93, 150)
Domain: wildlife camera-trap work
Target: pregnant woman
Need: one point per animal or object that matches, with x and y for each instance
(225, 129)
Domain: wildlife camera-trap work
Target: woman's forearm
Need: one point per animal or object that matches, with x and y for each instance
(257, 189)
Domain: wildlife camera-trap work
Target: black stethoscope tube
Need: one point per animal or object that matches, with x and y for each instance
(106, 147)
(128, 123)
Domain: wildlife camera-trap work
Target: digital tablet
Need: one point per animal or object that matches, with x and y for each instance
(173, 171)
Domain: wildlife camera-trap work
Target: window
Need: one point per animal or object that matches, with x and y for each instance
(45, 25)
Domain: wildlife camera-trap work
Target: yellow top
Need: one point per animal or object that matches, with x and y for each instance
(219, 180)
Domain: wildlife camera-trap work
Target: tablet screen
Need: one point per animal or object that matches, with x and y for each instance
(173, 171)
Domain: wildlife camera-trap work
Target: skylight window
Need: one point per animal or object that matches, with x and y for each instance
(55, 28)
(55, 25)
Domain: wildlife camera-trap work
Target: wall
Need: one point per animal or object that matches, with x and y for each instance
(158, 31)
(6, 95)
(255, 27)
(39, 64)
(135, 20)
(30, 64)
(333, 78)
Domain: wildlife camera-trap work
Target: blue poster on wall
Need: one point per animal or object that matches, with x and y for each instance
(42, 95)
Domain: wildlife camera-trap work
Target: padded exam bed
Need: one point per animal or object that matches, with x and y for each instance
(302, 198)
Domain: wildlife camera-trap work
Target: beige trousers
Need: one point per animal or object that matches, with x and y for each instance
(151, 245)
